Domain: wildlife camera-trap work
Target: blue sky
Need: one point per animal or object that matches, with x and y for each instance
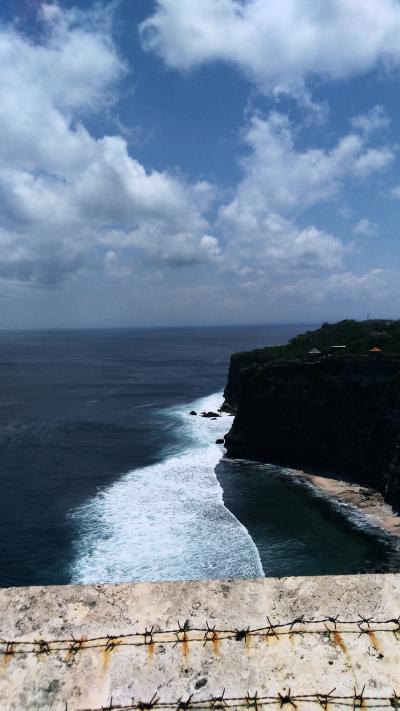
(199, 162)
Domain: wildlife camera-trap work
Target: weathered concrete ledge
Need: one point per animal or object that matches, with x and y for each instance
(298, 643)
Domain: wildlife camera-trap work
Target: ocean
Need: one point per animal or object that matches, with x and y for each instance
(106, 477)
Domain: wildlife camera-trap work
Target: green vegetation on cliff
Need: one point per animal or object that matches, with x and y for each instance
(358, 337)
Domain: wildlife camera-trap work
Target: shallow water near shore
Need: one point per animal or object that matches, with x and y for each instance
(106, 477)
(297, 529)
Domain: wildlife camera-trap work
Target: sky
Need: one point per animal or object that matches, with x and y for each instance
(198, 162)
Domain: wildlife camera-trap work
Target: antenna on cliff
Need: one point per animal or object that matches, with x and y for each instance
(368, 316)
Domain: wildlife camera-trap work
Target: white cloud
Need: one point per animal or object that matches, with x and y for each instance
(366, 228)
(373, 160)
(279, 182)
(155, 239)
(50, 12)
(277, 45)
(277, 173)
(61, 189)
(269, 241)
(374, 120)
(374, 286)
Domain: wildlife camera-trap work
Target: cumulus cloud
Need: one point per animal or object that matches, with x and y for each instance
(61, 189)
(277, 173)
(50, 11)
(180, 248)
(280, 180)
(70, 200)
(366, 228)
(374, 120)
(373, 160)
(279, 46)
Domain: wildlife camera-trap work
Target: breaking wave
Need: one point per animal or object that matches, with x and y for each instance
(167, 521)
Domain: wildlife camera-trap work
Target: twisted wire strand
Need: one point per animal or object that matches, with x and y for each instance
(357, 700)
(184, 634)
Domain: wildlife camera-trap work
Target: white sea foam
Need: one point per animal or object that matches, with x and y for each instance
(167, 521)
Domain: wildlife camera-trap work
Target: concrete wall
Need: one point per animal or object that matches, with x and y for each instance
(46, 669)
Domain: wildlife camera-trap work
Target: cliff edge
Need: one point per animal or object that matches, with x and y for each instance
(330, 400)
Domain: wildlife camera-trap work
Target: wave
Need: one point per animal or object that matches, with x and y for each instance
(167, 521)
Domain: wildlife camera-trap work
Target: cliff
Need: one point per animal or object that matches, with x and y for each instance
(335, 413)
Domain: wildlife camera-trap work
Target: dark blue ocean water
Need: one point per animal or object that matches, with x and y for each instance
(105, 476)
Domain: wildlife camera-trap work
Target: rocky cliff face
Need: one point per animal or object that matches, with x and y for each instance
(336, 414)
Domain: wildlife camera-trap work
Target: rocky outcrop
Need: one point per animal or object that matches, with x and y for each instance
(336, 414)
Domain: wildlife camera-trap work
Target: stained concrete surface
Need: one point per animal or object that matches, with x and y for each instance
(218, 642)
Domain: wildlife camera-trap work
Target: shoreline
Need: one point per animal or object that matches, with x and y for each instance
(365, 499)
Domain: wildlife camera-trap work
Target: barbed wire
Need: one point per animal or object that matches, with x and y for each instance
(356, 700)
(185, 634)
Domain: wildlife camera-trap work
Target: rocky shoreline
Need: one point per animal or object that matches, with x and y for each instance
(366, 500)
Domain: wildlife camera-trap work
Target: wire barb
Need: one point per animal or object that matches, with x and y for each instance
(297, 621)
(242, 634)
(286, 699)
(358, 699)
(271, 630)
(9, 648)
(148, 635)
(184, 705)
(210, 635)
(147, 706)
(218, 702)
(44, 647)
(76, 646)
(111, 643)
(252, 701)
(325, 698)
(395, 700)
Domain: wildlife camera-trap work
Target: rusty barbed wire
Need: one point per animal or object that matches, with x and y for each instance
(357, 700)
(185, 635)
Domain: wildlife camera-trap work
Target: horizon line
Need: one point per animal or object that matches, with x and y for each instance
(154, 328)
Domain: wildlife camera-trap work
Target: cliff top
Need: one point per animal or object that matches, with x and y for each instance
(359, 337)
